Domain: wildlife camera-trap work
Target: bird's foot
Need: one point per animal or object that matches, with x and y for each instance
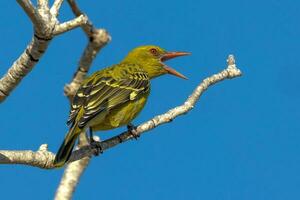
(98, 147)
(95, 144)
(133, 131)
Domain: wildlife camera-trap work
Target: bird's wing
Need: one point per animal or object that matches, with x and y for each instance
(105, 93)
(79, 99)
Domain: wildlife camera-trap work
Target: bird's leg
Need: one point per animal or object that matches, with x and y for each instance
(132, 130)
(95, 144)
(91, 135)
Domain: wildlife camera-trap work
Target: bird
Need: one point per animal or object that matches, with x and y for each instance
(114, 96)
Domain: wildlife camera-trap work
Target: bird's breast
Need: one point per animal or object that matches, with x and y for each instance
(121, 115)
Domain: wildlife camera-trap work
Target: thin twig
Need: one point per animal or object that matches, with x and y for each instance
(98, 38)
(42, 3)
(88, 28)
(101, 38)
(55, 7)
(67, 26)
(29, 8)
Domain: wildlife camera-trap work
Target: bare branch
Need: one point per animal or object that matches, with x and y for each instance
(22, 66)
(74, 23)
(72, 173)
(41, 158)
(88, 28)
(74, 7)
(46, 26)
(45, 161)
(42, 3)
(70, 179)
(56, 6)
(29, 9)
(100, 39)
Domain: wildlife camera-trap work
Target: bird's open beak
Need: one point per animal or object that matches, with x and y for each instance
(170, 55)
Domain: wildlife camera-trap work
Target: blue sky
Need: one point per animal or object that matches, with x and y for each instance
(240, 142)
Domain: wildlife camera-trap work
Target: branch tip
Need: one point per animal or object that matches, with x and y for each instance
(43, 147)
(231, 60)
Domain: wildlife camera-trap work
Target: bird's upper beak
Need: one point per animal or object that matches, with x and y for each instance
(170, 55)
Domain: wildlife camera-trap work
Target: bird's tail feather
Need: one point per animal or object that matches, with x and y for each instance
(65, 150)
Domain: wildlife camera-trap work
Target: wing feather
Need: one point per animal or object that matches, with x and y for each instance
(103, 93)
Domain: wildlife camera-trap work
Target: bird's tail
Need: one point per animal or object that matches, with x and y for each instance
(65, 150)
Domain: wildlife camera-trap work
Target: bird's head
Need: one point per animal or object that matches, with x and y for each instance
(152, 59)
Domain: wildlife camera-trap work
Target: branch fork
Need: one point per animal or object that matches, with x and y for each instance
(46, 26)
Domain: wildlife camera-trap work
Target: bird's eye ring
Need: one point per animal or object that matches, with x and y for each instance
(154, 51)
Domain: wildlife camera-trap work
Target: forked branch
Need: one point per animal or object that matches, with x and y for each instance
(46, 26)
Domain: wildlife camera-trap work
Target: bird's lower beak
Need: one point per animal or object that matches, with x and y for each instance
(170, 55)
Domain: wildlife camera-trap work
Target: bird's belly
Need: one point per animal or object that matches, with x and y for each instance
(121, 115)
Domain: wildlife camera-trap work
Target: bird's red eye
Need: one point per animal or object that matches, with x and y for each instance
(154, 51)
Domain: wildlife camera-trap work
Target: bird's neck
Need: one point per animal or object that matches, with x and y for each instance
(154, 72)
(152, 69)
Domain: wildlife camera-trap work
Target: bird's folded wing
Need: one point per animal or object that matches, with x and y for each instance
(105, 93)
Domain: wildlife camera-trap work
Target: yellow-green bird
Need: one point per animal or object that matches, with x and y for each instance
(114, 96)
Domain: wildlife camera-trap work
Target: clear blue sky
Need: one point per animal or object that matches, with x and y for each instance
(241, 142)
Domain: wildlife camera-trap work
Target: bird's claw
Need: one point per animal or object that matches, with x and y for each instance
(98, 147)
(133, 131)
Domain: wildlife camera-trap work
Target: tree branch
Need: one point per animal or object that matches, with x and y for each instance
(46, 26)
(67, 26)
(56, 6)
(98, 38)
(29, 10)
(88, 28)
(44, 159)
(42, 3)
(73, 172)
